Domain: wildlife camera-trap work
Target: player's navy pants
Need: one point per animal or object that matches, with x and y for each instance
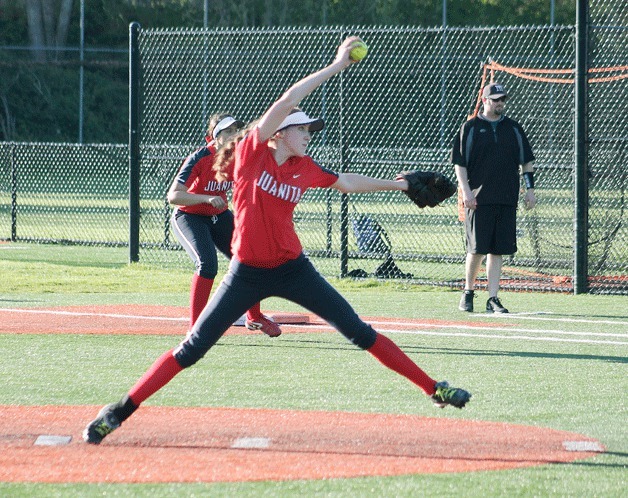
(243, 286)
(200, 236)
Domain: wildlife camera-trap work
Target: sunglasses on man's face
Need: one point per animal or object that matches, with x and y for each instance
(500, 99)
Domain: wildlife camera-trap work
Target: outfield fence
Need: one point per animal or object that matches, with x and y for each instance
(64, 193)
(398, 109)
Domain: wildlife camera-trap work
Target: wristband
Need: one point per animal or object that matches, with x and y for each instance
(528, 178)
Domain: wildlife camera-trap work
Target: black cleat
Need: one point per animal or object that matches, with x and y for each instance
(466, 301)
(104, 423)
(494, 305)
(453, 396)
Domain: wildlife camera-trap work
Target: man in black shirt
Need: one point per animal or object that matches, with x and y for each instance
(489, 152)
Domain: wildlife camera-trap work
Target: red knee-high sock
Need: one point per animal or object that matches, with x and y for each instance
(390, 355)
(156, 377)
(199, 295)
(254, 313)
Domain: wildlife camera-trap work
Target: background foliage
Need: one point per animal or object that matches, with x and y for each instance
(39, 90)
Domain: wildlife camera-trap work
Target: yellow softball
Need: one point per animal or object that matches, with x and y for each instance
(359, 51)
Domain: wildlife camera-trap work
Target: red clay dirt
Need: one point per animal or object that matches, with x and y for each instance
(159, 320)
(172, 444)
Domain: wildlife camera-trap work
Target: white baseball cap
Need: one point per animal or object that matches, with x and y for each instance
(225, 123)
(300, 118)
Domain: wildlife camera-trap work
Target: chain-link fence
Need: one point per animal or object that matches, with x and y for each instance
(64, 193)
(399, 109)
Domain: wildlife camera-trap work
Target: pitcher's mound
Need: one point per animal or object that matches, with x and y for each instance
(171, 444)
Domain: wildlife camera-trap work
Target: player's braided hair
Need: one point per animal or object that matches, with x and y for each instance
(224, 155)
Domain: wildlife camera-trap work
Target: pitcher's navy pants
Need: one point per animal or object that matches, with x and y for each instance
(243, 286)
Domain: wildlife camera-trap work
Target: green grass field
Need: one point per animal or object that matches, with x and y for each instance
(564, 367)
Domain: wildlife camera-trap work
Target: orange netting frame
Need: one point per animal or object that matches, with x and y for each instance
(558, 76)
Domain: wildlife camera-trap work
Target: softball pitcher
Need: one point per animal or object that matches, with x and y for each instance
(271, 174)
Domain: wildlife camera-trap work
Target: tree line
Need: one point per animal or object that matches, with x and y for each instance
(40, 98)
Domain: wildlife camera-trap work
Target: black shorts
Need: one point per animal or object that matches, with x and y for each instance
(491, 229)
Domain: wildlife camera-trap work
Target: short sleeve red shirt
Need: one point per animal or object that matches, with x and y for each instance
(197, 174)
(264, 198)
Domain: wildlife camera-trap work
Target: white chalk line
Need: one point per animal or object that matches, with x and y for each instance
(527, 316)
(510, 337)
(500, 329)
(388, 323)
(401, 323)
(490, 336)
(106, 315)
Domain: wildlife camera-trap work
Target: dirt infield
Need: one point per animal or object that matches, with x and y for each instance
(154, 320)
(166, 444)
(171, 444)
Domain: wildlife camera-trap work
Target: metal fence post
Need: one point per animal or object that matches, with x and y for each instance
(134, 143)
(344, 198)
(13, 195)
(581, 180)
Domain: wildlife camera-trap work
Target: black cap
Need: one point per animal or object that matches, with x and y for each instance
(494, 91)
